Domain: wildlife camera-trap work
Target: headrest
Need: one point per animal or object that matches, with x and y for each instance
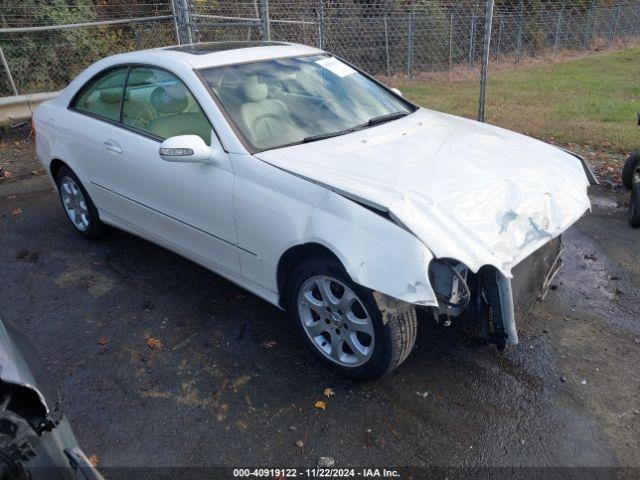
(253, 90)
(169, 99)
(111, 95)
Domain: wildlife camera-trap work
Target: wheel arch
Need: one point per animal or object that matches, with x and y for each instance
(55, 166)
(292, 257)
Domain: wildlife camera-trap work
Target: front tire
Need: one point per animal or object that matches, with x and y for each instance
(341, 322)
(77, 204)
(631, 171)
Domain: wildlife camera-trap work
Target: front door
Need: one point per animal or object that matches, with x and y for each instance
(185, 205)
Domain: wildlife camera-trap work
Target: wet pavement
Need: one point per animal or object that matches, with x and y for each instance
(234, 385)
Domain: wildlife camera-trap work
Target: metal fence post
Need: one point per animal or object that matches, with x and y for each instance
(520, 31)
(386, 45)
(472, 36)
(488, 23)
(12, 84)
(410, 47)
(175, 22)
(185, 18)
(264, 17)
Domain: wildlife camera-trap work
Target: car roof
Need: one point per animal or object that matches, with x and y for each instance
(212, 54)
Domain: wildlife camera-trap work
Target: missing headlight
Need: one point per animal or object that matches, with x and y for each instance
(449, 282)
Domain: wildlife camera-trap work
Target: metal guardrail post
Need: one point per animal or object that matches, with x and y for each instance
(5, 65)
(264, 17)
(488, 23)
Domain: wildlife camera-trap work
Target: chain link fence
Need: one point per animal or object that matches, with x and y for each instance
(43, 45)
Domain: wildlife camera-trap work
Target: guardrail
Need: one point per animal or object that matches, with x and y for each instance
(20, 108)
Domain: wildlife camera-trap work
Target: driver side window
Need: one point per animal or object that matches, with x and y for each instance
(156, 102)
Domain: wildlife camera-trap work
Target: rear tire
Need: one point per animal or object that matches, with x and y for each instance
(347, 331)
(634, 207)
(78, 206)
(631, 171)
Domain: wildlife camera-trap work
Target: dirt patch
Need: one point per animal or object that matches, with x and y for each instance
(18, 154)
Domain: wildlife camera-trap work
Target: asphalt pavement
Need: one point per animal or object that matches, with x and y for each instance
(233, 385)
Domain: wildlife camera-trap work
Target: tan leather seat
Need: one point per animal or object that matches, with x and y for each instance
(171, 101)
(107, 104)
(266, 118)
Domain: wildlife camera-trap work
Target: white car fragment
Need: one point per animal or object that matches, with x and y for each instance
(310, 184)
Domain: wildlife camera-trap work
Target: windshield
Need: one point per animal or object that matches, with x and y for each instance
(293, 100)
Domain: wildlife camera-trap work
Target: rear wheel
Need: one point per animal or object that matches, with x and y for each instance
(634, 207)
(631, 171)
(343, 325)
(77, 204)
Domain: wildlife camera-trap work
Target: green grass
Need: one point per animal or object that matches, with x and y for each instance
(590, 101)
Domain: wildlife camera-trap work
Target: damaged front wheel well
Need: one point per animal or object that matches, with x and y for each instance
(293, 257)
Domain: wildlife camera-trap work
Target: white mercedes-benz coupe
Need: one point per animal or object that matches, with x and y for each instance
(309, 183)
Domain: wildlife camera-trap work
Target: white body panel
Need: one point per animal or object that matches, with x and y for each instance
(470, 191)
(457, 189)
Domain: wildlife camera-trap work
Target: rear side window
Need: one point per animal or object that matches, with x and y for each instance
(156, 102)
(102, 95)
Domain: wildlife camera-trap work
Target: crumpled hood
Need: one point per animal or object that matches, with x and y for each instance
(469, 191)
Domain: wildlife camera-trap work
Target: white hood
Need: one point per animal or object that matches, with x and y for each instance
(469, 191)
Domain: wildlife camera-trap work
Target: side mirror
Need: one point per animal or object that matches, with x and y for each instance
(397, 92)
(186, 149)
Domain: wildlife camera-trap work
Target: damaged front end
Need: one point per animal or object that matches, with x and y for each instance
(491, 300)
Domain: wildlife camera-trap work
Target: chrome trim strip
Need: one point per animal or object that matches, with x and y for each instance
(176, 219)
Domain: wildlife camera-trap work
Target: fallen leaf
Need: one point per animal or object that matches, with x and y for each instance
(328, 392)
(154, 343)
(102, 341)
(17, 211)
(270, 344)
(321, 405)
(93, 460)
(184, 342)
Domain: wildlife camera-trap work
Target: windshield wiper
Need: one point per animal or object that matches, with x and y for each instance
(322, 136)
(386, 118)
(373, 121)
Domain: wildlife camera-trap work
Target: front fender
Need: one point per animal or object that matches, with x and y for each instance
(375, 251)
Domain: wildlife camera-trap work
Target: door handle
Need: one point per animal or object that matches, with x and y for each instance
(112, 146)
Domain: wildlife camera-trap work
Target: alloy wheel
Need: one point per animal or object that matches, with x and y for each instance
(335, 320)
(74, 203)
